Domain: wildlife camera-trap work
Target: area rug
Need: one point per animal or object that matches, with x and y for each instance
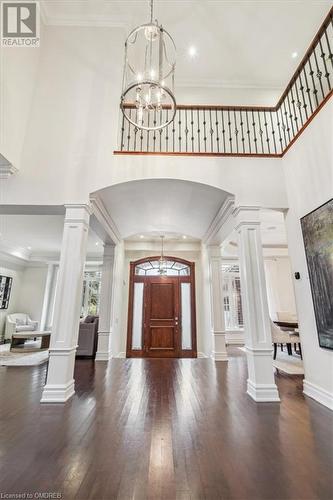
(8, 358)
(292, 365)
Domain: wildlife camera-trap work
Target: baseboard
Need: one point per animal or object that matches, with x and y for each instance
(120, 355)
(320, 395)
(219, 356)
(202, 355)
(58, 393)
(103, 356)
(263, 393)
(238, 341)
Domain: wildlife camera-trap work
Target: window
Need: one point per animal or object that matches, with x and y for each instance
(151, 268)
(233, 313)
(91, 293)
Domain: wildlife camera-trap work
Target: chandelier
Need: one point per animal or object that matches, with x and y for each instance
(147, 99)
(162, 263)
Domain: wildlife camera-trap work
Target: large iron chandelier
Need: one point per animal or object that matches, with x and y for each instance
(147, 99)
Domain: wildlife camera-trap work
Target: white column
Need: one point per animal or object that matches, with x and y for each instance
(105, 306)
(47, 296)
(258, 341)
(60, 383)
(219, 349)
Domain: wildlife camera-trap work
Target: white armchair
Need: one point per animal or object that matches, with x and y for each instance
(282, 337)
(19, 323)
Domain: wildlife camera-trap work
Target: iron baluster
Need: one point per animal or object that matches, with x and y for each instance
(322, 55)
(248, 131)
(286, 119)
(205, 130)
(254, 133)
(283, 126)
(267, 138)
(122, 145)
(305, 106)
(273, 131)
(192, 131)
(242, 130)
(198, 123)
(319, 73)
(236, 131)
(315, 91)
(230, 137)
(180, 130)
(294, 107)
(330, 57)
(308, 90)
(260, 133)
(211, 131)
(290, 116)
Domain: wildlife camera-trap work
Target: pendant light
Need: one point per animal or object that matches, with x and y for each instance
(162, 263)
(147, 99)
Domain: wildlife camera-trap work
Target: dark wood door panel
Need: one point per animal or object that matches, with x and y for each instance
(162, 337)
(161, 318)
(162, 301)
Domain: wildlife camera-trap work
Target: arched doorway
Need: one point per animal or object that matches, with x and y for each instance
(161, 312)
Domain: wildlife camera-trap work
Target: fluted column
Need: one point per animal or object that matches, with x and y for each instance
(258, 341)
(219, 349)
(105, 306)
(60, 383)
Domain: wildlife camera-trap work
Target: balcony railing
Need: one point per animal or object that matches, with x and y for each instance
(244, 131)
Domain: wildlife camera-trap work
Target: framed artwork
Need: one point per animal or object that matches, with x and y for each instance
(5, 288)
(317, 229)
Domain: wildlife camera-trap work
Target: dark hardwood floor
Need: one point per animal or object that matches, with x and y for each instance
(171, 429)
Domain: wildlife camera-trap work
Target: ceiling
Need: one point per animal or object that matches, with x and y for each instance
(162, 206)
(239, 43)
(29, 236)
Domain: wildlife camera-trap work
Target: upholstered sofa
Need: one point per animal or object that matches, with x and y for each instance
(19, 323)
(88, 332)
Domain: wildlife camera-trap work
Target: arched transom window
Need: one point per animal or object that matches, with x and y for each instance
(152, 268)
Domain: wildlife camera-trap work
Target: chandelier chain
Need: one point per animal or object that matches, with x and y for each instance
(151, 10)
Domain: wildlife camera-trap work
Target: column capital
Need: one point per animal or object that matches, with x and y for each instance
(77, 213)
(246, 216)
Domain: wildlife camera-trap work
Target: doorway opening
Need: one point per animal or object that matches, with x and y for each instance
(161, 312)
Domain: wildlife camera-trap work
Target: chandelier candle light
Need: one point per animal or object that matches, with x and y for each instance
(147, 99)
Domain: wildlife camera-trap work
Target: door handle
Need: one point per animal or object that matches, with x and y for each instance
(176, 318)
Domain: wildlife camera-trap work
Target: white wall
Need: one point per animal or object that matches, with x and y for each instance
(19, 73)
(308, 168)
(31, 294)
(17, 275)
(280, 289)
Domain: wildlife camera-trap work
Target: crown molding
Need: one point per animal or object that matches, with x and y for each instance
(222, 217)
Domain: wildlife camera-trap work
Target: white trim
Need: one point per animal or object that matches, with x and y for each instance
(105, 219)
(219, 356)
(315, 392)
(103, 356)
(61, 393)
(120, 355)
(223, 215)
(262, 393)
(202, 355)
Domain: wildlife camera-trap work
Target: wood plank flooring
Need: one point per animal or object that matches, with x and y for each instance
(163, 429)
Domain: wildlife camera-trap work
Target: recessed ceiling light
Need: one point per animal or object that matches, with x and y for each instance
(184, 236)
(29, 248)
(141, 236)
(294, 55)
(192, 51)
(97, 243)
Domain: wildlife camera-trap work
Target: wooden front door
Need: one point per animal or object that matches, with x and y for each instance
(161, 310)
(161, 318)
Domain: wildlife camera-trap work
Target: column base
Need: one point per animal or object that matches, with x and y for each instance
(219, 352)
(103, 356)
(263, 393)
(219, 356)
(61, 393)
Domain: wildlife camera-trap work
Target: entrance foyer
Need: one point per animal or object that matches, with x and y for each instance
(161, 314)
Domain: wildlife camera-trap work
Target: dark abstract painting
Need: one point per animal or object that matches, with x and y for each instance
(317, 228)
